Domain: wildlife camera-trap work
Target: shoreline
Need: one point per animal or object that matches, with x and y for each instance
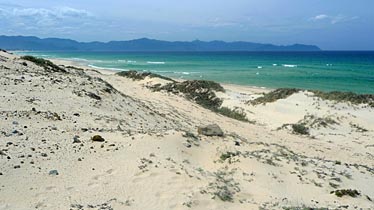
(68, 62)
(82, 138)
(258, 84)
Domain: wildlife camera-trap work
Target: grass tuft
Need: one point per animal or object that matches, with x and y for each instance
(46, 64)
(275, 95)
(300, 129)
(141, 75)
(353, 98)
(344, 192)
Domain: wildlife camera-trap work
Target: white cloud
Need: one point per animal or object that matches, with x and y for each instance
(320, 17)
(332, 19)
(43, 21)
(60, 12)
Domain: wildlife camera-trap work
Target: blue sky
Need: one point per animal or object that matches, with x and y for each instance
(330, 24)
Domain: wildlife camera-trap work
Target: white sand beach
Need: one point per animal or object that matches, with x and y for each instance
(152, 155)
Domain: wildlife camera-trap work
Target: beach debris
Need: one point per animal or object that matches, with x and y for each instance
(210, 130)
(53, 172)
(97, 138)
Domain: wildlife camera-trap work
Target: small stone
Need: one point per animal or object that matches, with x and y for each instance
(53, 172)
(15, 123)
(76, 114)
(44, 155)
(1, 174)
(237, 143)
(76, 140)
(79, 159)
(17, 166)
(98, 138)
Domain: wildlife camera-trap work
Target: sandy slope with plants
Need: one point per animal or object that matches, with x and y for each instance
(292, 153)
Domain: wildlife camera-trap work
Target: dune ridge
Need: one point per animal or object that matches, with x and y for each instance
(160, 149)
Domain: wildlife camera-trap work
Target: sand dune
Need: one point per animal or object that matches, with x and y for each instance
(153, 156)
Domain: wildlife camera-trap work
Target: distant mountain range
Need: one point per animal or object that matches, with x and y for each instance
(144, 44)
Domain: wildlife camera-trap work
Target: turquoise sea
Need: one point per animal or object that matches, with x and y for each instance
(325, 70)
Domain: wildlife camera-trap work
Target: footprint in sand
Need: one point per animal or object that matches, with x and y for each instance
(51, 188)
(144, 176)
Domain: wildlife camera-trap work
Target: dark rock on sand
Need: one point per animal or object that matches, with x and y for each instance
(210, 130)
(97, 138)
(93, 96)
(53, 172)
(76, 140)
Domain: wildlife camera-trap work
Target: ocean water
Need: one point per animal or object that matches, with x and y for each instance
(327, 71)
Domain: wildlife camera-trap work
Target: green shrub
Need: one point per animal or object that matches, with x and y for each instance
(275, 95)
(354, 98)
(300, 129)
(46, 64)
(199, 91)
(235, 114)
(343, 192)
(141, 75)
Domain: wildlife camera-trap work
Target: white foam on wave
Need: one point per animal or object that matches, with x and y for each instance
(107, 68)
(126, 61)
(185, 73)
(289, 65)
(274, 64)
(259, 67)
(155, 62)
(78, 59)
(329, 64)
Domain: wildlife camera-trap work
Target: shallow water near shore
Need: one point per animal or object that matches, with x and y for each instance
(327, 71)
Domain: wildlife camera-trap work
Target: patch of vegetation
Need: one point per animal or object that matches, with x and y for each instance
(303, 208)
(317, 122)
(142, 75)
(344, 192)
(93, 96)
(46, 64)
(228, 155)
(202, 93)
(300, 129)
(275, 95)
(353, 98)
(224, 186)
(232, 113)
(358, 128)
(337, 96)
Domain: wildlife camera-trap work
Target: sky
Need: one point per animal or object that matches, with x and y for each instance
(329, 24)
